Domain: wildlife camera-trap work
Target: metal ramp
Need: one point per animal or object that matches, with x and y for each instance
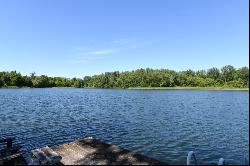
(191, 157)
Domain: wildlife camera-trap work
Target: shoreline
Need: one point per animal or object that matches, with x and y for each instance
(145, 88)
(188, 88)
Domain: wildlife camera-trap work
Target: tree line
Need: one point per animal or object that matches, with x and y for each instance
(227, 76)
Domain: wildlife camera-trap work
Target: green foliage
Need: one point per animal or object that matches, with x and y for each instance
(214, 73)
(1, 83)
(242, 74)
(41, 81)
(228, 73)
(228, 76)
(201, 73)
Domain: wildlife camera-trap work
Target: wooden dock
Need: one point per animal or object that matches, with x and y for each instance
(88, 151)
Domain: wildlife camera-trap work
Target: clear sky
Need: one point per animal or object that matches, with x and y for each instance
(75, 38)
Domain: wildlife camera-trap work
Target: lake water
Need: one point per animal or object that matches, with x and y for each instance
(162, 124)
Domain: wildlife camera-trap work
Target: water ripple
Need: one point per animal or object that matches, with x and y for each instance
(162, 124)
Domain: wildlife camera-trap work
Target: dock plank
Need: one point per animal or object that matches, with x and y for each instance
(90, 151)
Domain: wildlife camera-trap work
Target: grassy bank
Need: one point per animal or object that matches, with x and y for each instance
(12, 87)
(188, 88)
(153, 88)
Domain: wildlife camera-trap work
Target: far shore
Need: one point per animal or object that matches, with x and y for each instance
(150, 88)
(187, 88)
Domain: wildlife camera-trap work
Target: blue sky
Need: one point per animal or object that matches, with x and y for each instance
(75, 38)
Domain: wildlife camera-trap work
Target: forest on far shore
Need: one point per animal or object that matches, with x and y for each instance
(227, 77)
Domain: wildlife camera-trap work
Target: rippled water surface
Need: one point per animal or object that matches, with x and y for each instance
(162, 124)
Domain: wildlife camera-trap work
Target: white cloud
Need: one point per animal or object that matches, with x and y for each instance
(87, 54)
(102, 52)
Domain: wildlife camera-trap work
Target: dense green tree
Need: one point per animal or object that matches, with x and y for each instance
(77, 83)
(189, 72)
(41, 81)
(242, 74)
(214, 73)
(1, 82)
(27, 81)
(87, 81)
(201, 73)
(228, 73)
(228, 76)
(6, 78)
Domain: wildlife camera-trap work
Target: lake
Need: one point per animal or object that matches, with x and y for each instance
(162, 124)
